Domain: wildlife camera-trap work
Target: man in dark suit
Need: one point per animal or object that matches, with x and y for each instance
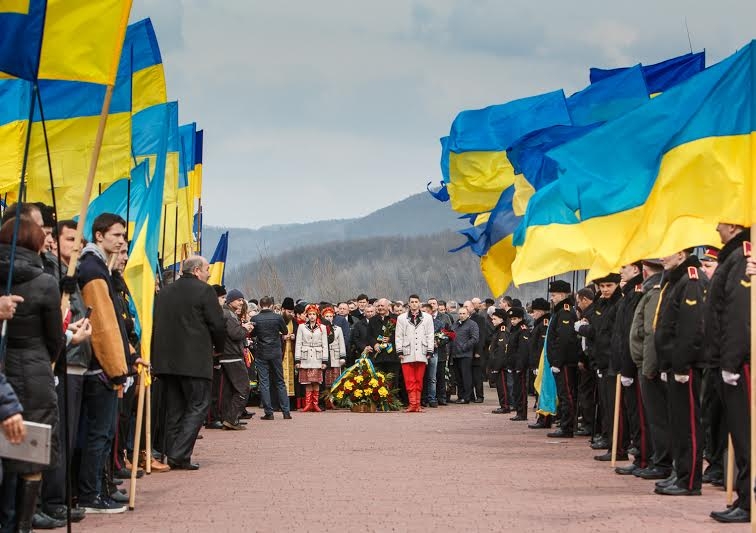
(269, 328)
(188, 329)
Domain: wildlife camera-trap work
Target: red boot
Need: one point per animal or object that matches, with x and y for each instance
(418, 406)
(308, 401)
(314, 401)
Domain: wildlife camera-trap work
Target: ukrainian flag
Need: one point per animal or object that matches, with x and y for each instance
(650, 183)
(478, 167)
(218, 261)
(195, 180)
(147, 74)
(75, 40)
(660, 76)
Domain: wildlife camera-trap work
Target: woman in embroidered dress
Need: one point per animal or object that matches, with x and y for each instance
(311, 355)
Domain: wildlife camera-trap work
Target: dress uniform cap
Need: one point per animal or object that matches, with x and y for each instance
(560, 286)
(516, 312)
(540, 304)
(500, 313)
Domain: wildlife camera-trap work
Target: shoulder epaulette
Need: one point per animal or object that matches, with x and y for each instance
(747, 248)
(545, 321)
(523, 326)
(639, 288)
(566, 307)
(692, 272)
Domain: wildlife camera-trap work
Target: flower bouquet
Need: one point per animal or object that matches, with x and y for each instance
(384, 340)
(362, 389)
(444, 337)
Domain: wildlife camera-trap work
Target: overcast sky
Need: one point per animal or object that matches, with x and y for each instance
(332, 109)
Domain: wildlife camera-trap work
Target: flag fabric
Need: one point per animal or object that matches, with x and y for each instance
(661, 76)
(477, 161)
(147, 74)
(74, 40)
(195, 180)
(650, 183)
(545, 385)
(218, 261)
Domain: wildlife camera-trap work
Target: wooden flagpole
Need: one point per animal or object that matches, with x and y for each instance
(137, 442)
(752, 361)
(88, 189)
(730, 473)
(148, 428)
(615, 428)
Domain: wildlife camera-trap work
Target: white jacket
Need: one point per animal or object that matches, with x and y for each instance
(413, 342)
(337, 349)
(311, 349)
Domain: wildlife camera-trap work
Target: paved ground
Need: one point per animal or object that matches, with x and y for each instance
(458, 468)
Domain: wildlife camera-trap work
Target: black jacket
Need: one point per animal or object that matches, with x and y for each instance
(679, 333)
(188, 329)
(605, 314)
(359, 337)
(484, 334)
(728, 309)
(497, 348)
(563, 345)
(466, 339)
(233, 348)
(517, 347)
(377, 327)
(537, 339)
(586, 336)
(267, 335)
(621, 360)
(35, 339)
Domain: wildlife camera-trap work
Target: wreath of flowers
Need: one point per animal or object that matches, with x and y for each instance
(361, 384)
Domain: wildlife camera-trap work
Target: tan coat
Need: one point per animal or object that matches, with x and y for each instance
(311, 350)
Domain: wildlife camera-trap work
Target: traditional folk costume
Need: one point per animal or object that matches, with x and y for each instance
(414, 345)
(311, 353)
(336, 349)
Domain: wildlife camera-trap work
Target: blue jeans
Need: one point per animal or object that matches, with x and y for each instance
(430, 378)
(99, 405)
(264, 371)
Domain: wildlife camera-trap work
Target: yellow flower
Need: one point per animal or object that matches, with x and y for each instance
(383, 392)
(380, 375)
(373, 382)
(358, 393)
(340, 394)
(348, 385)
(359, 379)
(368, 391)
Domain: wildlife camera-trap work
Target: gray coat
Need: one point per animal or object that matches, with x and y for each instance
(642, 348)
(466, 339)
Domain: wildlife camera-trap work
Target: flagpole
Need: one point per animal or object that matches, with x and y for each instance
(615, 426)
(730, 473)
(147, 428)
(137, 440)
(175, 239)
(88, 189)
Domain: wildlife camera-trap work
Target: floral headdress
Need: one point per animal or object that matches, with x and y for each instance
(327, 310)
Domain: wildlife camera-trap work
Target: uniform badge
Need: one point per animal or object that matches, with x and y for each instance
(565, 321)
(692, 272)
(639, 288)
(746, 284)
(566, 307)
(747, 248)
(691, 302)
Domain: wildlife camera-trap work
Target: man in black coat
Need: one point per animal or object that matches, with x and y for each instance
(517, 361)
(562, 352)
(267, 332)
(188, 329)
(541, 318)
(480, 354)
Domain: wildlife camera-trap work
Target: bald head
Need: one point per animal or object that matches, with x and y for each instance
(196, 266)
(469, 306)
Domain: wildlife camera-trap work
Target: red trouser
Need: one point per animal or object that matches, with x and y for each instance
(413, 376)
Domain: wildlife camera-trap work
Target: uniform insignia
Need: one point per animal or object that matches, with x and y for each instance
(746, 284)
(566, 307)
(747, 248)
(692, 272)
(598, 313)
(545, 321)
(565, 321)
(691, 302)
(523, 326)
(639, 288)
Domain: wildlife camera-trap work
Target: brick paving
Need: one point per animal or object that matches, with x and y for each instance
(455, 468)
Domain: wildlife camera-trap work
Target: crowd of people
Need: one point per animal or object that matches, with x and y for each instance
(673, 331)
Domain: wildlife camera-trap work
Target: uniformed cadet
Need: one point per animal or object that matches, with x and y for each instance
(587, 384)
(622, 362)
(562, 353)
(679, 338)
(497, 350)
(517, 361)
(541, 317)
(728, 328)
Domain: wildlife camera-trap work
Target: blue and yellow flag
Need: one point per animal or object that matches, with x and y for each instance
(478, 167)
(178, 237)
(660, 76)
(650, 183)
(147, 75)
(218, 261)
(73, 40)
(195, 180)
(545, 384)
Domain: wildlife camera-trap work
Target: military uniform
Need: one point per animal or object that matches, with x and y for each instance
(517, 363)
(679, 338)
(497, 352)
(537, 340)
(562, 352)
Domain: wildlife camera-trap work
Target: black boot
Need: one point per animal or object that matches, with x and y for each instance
(26, 503)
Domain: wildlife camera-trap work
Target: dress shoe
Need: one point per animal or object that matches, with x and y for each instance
(669, 480)
(287, 416)
(462, 401)
(443, 402)
(718, 482)
(214, 425)
(560, 434)
(601, 444)
(233, 426)
(608, 457)
(674, 490)
(538, 425)
(478, 400)
(518, 418)
(584, 432)
(267, 417)
(711, 474)
(58, 512)
(155, 465)
(433, 404)
(200, 437)
(731, 516)
(122, 473)
(633, 451)
(499, 411)
(628, 470)
(42, 520)
(652, 472)
(188, 465)
(246, 415)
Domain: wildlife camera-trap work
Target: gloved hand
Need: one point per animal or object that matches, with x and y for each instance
(730, 378)
(509, 370)
(626, 382)
(682, 378)
(577, 326)
(555, 370)
(663, 376)
(599, 374)
(68, 285)
(535, 371)
(128, 384)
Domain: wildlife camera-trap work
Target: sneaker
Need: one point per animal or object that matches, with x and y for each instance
(102, 506)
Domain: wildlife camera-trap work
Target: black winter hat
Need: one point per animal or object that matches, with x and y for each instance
(500, 313)
(288, 304)
(220, 290)
(540, 304)
(516, 312)
(560, 286)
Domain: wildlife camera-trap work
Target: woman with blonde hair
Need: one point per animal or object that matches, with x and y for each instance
(311, 356)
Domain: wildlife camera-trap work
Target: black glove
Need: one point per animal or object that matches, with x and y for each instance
(68, 285)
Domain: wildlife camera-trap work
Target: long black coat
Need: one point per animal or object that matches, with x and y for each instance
(35, 339)
(188, 329)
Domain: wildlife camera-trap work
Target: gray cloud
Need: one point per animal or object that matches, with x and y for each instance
(333, 108)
